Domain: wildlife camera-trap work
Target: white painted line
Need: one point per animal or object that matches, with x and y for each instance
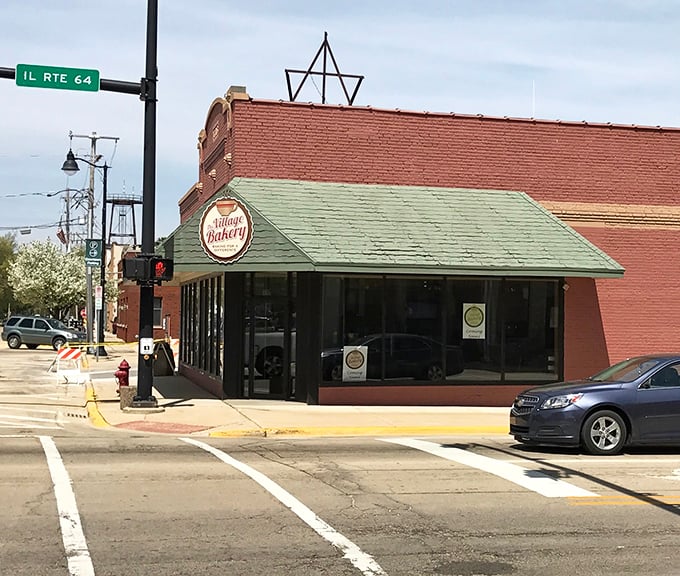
(525, 477)
(359, 559)
(75, 545)
(22, 409)
(29, 418)
(29, 425)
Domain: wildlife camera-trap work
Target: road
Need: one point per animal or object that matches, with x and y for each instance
(136, 504)
(80, 501)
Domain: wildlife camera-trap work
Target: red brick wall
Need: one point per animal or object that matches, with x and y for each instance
(127, 325)
(606, 319)
(549, 160)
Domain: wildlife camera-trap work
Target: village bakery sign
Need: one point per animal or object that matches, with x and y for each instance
(226, 230)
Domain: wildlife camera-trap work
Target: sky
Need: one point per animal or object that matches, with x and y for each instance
(594, 60)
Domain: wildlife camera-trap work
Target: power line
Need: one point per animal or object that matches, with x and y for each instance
(49, 194)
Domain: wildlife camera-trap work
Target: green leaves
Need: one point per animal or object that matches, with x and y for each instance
(46, 280)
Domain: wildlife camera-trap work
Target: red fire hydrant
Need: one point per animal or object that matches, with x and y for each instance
(122, 375)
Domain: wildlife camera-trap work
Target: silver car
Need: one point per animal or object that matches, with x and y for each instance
(36, 330)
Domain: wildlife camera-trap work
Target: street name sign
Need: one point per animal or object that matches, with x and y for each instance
(57, 77)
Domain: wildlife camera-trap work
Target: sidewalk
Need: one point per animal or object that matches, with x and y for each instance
(185, 408)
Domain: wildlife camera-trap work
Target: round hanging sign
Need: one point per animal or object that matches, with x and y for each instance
(226, 230)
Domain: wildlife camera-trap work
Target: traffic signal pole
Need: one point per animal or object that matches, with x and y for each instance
(144, 397)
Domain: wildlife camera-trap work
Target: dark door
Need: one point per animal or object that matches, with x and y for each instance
(269, 347)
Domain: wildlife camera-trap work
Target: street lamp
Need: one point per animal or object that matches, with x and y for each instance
(70, 168)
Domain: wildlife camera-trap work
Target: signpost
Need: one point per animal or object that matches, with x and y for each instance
(93, 252)
(57, 77)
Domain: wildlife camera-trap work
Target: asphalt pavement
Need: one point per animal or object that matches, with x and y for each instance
(185, 408)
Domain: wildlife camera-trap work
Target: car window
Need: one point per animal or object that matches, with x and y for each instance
(409, 343)
(26, 323)
(12, 321)
(41, 325)
(627, 370)
(374, 345)
(58, 324)
(667, 377)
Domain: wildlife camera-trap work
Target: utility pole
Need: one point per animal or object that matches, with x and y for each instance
(68, 217)
(89, 304)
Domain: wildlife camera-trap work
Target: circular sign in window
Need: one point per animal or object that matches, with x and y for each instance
(474, 316)
(355, 359)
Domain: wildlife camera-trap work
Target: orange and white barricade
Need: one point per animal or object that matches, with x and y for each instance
(174, 346)
(71, 365)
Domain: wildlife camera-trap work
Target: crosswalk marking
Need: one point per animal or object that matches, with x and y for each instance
(531, 479)
(364, 562)
(75, 545)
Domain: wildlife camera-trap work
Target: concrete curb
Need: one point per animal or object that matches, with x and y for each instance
(363, 431)
(93, 412)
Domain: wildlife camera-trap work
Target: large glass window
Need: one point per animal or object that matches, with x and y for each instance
(414, 330)
(472, 325)
(530, 327)
(437, 330)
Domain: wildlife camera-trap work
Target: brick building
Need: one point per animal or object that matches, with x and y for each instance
(166, 311)
(611, 186)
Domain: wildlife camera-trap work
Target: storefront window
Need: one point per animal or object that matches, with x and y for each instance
(414, 331)
(530, 329)
(472, 326)
(442, 329)
(353, 311)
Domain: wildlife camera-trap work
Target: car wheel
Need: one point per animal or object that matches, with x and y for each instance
(336, 373)
(31, 346)
(13, 341)
(604, 433)
(434, 373)
(58, 343)
(269, 362)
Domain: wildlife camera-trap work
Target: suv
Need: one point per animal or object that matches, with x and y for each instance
(36, 330)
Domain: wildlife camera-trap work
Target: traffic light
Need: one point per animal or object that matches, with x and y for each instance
(135, 268)
(160, 269)
(144, 268)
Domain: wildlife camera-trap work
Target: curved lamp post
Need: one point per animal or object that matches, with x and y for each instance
(70, 168)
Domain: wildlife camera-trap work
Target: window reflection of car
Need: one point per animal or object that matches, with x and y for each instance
(269, 343)
(406, 356)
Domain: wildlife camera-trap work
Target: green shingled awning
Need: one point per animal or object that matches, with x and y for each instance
(387, 229)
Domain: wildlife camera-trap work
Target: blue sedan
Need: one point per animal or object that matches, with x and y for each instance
(633, 402)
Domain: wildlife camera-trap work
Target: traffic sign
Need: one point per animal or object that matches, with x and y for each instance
(57, 77)
(93, 252)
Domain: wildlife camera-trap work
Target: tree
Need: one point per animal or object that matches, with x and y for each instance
(47, 280)
(8, 247)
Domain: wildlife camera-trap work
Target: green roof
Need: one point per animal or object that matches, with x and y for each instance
(341, 227)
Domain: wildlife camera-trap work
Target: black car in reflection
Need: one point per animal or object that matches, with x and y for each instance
(636, 401)
(405, 356)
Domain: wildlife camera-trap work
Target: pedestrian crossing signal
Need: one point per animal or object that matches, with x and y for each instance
(148, 269)
(161, 269)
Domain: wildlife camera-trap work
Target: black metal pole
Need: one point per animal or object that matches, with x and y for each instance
(102, 313)
(144, 397)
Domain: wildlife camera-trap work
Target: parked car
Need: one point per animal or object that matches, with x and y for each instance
(406, 356)
(633, 402)
(34, 331)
